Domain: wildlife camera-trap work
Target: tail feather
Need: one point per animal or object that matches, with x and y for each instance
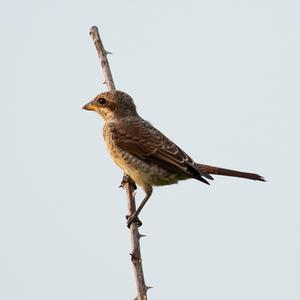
(199, 174)
(226, 172)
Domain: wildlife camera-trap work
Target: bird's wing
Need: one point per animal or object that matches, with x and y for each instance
(141, 139)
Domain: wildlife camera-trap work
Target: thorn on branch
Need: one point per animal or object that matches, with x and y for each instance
(108, 52)
(141, 235)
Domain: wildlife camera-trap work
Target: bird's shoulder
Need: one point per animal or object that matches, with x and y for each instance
(131, 132)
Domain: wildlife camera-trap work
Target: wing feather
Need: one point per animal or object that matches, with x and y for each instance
(141, 139)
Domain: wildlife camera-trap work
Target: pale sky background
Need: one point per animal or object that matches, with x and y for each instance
(220, 78)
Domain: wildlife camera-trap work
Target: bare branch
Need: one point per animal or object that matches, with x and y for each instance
(102, 53)
(127, 182)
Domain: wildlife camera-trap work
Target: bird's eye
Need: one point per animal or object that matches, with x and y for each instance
(101, 101)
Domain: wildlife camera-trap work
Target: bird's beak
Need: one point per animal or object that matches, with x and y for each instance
(89, 106)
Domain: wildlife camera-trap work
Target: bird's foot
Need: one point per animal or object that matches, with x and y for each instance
(127, 179)
(133, 219)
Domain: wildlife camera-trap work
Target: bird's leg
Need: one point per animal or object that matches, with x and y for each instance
(126, 178)
(134, 216)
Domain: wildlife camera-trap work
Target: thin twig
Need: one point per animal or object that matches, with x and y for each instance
(136, 257)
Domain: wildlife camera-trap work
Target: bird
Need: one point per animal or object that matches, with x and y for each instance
(143, 152)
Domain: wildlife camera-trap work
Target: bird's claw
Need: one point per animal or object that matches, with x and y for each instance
(127, 179)
(133, 219)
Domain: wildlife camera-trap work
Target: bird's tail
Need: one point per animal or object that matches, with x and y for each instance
(226, 172)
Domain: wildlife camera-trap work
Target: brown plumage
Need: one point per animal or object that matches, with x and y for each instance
(143, 152)
(227, 172)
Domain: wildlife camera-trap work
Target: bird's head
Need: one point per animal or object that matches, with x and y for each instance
(112, 104)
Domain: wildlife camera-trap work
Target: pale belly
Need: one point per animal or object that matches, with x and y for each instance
(143, 173)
